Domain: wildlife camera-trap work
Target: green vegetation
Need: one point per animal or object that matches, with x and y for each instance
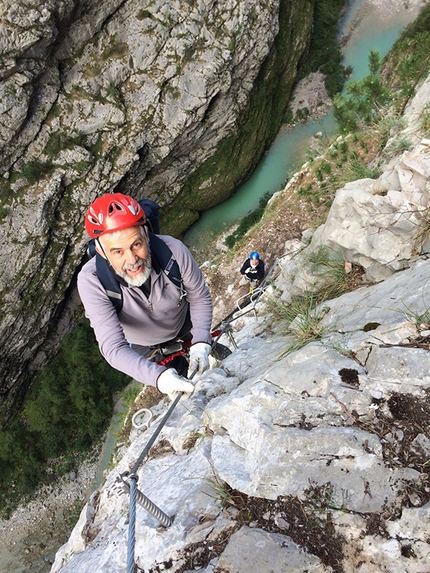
(221, 491)
(367, 115)
(247, 222)
(324, 51)
(364, 101)
(300, 318)
(361, 170)
(425, 121)
(97, 148)
(115, 49)
(67, 409)
(35, 170)
(134, 398)
(420, 319)
(59, 140)
(409, 60)
(142, 14)
(336, 276)
(414, 64)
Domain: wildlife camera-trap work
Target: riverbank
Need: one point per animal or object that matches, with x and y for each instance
(311, 94)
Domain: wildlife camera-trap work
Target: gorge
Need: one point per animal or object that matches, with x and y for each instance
(152, 98)
(305, 449)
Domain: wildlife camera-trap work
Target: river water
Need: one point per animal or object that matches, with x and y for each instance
(366, 25)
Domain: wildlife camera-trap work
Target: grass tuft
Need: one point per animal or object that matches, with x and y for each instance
(301, 319)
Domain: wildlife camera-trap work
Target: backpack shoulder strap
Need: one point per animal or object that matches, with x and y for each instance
(109, 282)
(165, 259)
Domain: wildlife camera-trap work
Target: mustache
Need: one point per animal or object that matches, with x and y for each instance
(136, 265)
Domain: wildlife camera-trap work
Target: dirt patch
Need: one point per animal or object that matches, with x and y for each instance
(306, 523)
(349, 376)
(410, 409)
(401, 424)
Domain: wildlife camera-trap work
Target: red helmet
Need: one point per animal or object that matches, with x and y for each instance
(113, 212)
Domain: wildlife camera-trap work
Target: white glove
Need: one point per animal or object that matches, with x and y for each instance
(199, 357)
(169, 382)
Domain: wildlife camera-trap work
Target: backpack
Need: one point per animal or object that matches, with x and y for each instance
(159, 250)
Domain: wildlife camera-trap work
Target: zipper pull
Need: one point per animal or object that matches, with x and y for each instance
(150, 305)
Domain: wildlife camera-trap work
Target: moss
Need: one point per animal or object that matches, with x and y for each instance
(420, 24)
(91, 71)
(6, 193)
(53, 113)
(115, 49)
(35, 170)
(81, 166)
(142, 14)
(97, 148)
(173, 91)
(59, 140)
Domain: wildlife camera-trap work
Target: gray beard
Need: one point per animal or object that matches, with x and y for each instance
(142, 277)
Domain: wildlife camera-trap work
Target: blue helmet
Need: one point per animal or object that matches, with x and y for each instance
(254, 256)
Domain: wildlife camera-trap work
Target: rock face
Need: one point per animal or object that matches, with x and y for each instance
(293, 457)
(377, 224)
(155, 98)
(325, 425)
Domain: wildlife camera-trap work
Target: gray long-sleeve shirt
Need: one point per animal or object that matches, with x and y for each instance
(146, 321)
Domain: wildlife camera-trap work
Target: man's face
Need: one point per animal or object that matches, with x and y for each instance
(254, 262)
(129, 255)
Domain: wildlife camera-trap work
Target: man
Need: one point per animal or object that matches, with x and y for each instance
(252, 270)
(154, 309)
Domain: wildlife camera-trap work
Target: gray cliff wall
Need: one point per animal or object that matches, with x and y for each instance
(176, 101)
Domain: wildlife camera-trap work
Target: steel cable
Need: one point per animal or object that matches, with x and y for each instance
(136, 495)
(132, 525)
